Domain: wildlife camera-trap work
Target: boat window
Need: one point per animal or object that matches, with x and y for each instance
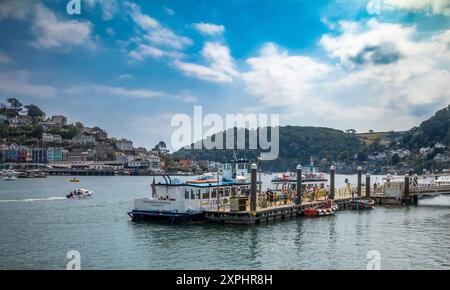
(198, 194)
(227, 192)
(192, 194)
(214, 193)
(221, 192)
(206, 194)
(322, 185)
(186, 194)
(241, 166)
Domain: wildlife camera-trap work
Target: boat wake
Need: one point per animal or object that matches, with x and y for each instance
(32, 199)
(440, 200)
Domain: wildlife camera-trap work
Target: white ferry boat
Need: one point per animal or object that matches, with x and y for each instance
(186, 201)
(312, 180)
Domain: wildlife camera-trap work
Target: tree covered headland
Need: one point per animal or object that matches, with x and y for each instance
(298, 144)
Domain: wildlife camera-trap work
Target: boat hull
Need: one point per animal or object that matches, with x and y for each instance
(321, 211)
(362, 204)
(173, 217)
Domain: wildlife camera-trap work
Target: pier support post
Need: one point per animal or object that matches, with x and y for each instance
(367, 185)
(299, 184)
(254, 168)
(406, 192)
(332, 175)
(359, 181)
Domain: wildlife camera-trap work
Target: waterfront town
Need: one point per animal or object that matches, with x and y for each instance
(53, 145)
(31, 141)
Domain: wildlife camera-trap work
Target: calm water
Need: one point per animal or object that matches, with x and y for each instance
(38, 228)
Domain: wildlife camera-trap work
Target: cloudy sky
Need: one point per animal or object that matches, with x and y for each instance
(129, 66)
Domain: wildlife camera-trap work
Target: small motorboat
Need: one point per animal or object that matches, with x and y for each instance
(80, 194)
(362, 204)
(327, 209)
(9, 178)
(74, 180)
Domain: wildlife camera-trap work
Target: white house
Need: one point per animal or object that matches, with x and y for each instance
(439, 146)
(151, 162)
(424, 151)
(51, 138)
(124, 145)
(20, 121)
(84, 139)
(441, 158)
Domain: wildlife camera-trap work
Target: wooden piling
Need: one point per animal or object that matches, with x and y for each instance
(299, 184)
(332, 176)
(367, 185)
(359, 181)
(406, 192)
(254, 168)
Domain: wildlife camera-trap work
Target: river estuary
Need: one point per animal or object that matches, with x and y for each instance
(39, 227)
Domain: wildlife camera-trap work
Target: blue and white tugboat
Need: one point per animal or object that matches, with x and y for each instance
(186, 201)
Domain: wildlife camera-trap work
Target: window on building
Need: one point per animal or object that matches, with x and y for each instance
(192, 194)
(186, 194)
(205, 194)
(227, 192)
(198, 194)
(214, 193)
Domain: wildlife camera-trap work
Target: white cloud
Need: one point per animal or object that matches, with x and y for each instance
(50, 32)
(391, 64)
(110, 31)
(4, 58)
(220, 66)
(109, 8)
(17, 83)
(156, 33)
(281, 79)
(187, 98)
(377, 75)
(165, 37)
(169, 11)
(202, 72)
(429, 6)
(115, 91)
(15, 9)
(125, 77)
(143, 51)
(209, 28)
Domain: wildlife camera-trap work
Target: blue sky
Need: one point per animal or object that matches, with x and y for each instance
(129, 66)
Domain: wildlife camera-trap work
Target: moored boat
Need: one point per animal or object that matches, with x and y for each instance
(314, 184)
(186, 201)
(325, 210)
(362, 204)
(74, 179)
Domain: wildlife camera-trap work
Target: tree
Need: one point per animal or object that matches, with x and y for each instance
(35, 112)
(162, 144)
(15, 104)
(395, 159)
(362, 156)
